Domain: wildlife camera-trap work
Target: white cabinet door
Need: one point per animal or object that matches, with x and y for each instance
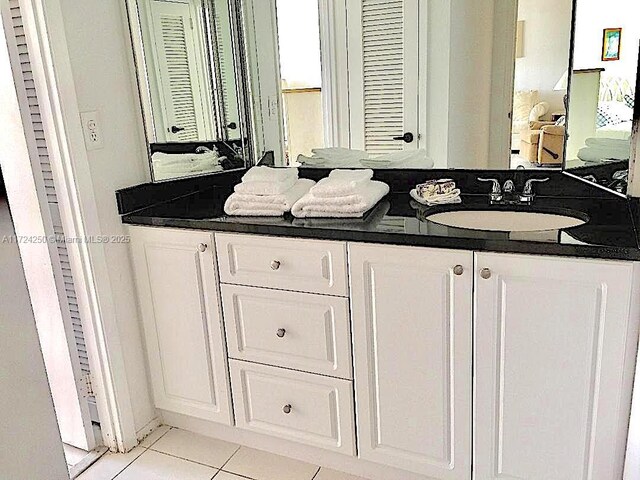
(412, 347)
(554, 355)
(180, 306)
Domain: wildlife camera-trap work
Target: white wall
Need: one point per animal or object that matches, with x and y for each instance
(592, 17)
(547, 36)
(99, 50)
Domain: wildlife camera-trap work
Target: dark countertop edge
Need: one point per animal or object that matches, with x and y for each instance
(458, 243)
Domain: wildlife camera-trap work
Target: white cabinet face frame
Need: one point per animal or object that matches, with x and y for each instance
(295, 330)
(555, 348)
(411, 321)
(180, 307)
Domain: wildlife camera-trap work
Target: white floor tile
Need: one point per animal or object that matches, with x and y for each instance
(328, 474)
(154, 436)
(110, 465)
(196, 448)
(228, 476)
(261, 465)
(158, 466)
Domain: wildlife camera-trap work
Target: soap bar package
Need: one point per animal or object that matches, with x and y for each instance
(436, 187)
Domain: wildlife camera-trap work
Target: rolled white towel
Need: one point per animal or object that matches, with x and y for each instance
(351, 206)
(341, 183)
(267, 205)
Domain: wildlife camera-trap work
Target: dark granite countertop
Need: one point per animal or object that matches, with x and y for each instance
(609, 233)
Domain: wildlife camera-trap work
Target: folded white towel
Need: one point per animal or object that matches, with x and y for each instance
(341, 183)
(337, 153)
(267, 181)
(267, 205)
(270, 174)
(167, 159)
(351, 206)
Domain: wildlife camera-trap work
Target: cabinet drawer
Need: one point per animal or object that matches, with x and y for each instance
(288, 329)
(302, 407)
(283, 263)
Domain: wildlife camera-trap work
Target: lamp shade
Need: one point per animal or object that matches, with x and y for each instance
(563, 83)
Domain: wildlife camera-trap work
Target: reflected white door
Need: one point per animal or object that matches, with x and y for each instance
(384, 64)
(180, 65)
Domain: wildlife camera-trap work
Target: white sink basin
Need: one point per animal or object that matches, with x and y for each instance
(505, 221)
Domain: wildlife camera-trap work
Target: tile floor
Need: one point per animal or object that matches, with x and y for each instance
(173, 454)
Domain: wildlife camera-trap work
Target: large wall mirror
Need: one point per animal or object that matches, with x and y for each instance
(192, 85)
(411, 83)
(602, 97)
(392, 84)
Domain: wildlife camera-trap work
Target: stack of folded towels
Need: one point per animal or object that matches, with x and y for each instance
(267, 192)
(343, 194)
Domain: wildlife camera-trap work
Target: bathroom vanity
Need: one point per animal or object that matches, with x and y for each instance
(393, 347)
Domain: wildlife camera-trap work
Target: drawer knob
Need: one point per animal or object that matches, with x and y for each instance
(202, 247)
(485, 273)
(287, 409)
(275, 265)
(280, 333)
(458, 270)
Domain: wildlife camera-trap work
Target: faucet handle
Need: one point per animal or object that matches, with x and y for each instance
(528, 186)
(496, 191)
(495, 188)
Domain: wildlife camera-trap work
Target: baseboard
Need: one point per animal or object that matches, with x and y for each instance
(316, 456)
(145, 431)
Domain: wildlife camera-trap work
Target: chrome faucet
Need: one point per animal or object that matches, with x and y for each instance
(497, 194)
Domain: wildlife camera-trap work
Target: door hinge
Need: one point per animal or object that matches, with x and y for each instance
(87, 386)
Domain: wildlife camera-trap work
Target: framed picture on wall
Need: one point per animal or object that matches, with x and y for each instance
(611, 41)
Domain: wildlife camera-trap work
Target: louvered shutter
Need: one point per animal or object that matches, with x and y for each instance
(226, 68)
(61, 264)
(177, 71)
(383, 73)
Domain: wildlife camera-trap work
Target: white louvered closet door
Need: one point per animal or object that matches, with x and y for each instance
(383, 74)
(177, 53)
(67, 362)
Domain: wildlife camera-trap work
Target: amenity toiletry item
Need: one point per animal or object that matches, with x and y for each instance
(436, 192)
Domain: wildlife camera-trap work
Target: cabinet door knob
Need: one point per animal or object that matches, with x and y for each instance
(275, 265)
(280, 332)
(458, 270)
(202, 247)
(287, 409)
(485, 273)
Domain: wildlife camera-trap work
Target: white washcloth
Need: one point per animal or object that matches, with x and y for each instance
(266, 205)
(269, 174)
(267, 181)
(341, 183)
(351, 206)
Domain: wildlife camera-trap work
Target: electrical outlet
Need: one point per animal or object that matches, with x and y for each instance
(92, 131)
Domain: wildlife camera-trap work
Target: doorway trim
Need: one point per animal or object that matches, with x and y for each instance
(53, 76)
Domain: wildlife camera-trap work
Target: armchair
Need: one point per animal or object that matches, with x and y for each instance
(543, 143)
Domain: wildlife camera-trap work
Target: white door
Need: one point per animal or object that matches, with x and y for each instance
(384, 61)
(179, 60)
(411, 315)
(176, 280)
(554, 357)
